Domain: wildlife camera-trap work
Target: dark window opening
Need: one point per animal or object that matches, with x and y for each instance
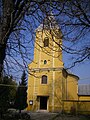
(46, 42)
(45, 62)
(44, 79)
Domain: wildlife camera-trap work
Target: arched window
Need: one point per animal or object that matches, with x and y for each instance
(46, 42)
(44, 79)
(45, 62)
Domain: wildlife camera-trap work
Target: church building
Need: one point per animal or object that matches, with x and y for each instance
(49, 83)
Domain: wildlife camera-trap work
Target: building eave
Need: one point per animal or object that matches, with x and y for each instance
(70, 74)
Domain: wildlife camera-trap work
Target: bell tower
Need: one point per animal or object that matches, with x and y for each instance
(46, 68)
(48, 43)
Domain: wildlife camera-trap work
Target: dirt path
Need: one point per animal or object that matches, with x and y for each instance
(55, 116)
(42, 116)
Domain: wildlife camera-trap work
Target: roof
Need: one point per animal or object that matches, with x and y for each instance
(48, 23)
(70, 74)
(84, 89)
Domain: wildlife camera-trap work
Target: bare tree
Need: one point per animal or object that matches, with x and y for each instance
(20, 18)
(14, 25)
(74, 20)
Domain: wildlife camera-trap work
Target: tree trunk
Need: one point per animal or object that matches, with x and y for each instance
(5, 21)
(1, 113)
(20, 111)
(2, 57)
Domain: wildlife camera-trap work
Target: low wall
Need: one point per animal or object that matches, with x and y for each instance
(76, 107)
